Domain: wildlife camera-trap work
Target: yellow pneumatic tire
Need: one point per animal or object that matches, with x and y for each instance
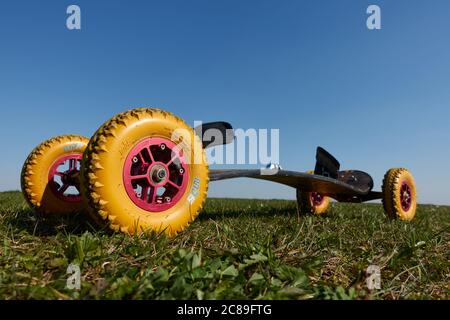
(306, 202)
(104, 163)
(35, 174)
(399, 201)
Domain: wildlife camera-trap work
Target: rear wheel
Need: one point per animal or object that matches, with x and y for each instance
(312, 202)
(145, 169)
(50, 175)
(399, 194)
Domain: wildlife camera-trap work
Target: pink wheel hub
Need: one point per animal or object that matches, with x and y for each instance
(316, 199)
(405, 196)
(63, 178)
(155, 174)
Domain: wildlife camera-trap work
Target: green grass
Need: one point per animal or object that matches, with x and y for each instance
(236, 249)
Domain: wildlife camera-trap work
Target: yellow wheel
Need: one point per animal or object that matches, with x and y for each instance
(145, 169)
(312, 202)
(50, 175)
(399, 194)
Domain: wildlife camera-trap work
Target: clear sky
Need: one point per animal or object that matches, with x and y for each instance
(375, 99)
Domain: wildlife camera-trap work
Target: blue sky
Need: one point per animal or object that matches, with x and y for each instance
(375, 99)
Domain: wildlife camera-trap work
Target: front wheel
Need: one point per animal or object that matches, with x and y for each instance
(145, 169)
(50, 175)
(399, 194)
(312, 202)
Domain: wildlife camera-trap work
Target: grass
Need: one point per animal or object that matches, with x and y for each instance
(236, 249)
